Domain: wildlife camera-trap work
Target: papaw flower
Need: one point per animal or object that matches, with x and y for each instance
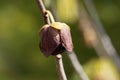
(55, 39)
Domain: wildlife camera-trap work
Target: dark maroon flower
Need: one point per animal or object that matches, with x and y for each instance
(55, 39)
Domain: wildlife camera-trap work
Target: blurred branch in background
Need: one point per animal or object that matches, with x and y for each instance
(92, 39)
(104, 39)
(77, 66)
(94, 33)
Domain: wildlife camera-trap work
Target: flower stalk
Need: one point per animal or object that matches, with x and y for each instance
(58, 57)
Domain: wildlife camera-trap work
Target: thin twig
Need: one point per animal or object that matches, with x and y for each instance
(60, 68)
(77, 66)
(105, 40)
(58, 57)
(43, 11)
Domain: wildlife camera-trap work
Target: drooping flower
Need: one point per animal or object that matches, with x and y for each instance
(55, 39)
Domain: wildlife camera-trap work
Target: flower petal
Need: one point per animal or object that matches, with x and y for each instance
(66, 38)
(50, 40)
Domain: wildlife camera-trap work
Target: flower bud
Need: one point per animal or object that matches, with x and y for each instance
(55, 39)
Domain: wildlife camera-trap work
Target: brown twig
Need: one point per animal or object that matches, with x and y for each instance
(60, 68)
(58, 57)
(43, 11)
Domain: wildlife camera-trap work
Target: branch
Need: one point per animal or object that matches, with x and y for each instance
(60, 68)
(58, 57)
(43, 11)
(77, 66)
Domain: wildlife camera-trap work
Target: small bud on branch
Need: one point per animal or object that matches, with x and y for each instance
(55, 39)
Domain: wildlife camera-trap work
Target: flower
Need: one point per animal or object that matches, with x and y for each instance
(55, 39)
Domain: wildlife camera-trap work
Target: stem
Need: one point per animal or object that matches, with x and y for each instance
(58, 57)
(51, 16)
(43, 11)
(60, 68)
(77, 66)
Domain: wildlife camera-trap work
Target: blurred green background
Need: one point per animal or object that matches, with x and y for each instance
(20, 57)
